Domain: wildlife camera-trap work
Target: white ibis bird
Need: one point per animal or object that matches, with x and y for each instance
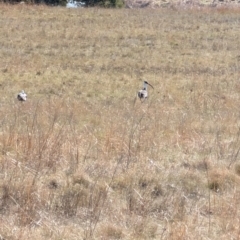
(143, 93)
(22, 96)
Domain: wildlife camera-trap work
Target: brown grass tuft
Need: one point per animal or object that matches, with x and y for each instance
(237, 169)
(220, 180)
(110, 231)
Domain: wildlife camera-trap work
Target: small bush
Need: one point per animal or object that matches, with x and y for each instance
(237, 169)
(214, 185)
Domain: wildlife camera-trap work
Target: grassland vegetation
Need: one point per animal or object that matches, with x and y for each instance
(82, 158)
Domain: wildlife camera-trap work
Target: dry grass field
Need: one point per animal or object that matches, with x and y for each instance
(82, 158)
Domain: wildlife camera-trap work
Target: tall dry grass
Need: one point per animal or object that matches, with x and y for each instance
(84, 159)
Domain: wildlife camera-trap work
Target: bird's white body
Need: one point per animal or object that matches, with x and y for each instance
(143, 93)
(22, 96)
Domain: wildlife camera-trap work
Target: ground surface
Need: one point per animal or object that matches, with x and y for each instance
(84, 159)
